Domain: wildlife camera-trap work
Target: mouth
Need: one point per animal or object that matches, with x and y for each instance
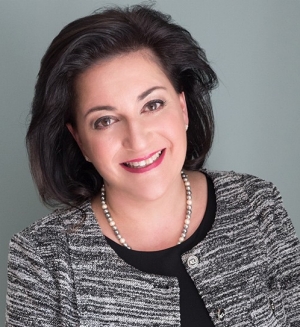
(138, 164)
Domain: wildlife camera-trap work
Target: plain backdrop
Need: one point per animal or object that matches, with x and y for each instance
(254, 47)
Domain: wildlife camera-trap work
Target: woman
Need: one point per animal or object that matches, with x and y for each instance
(121, 127)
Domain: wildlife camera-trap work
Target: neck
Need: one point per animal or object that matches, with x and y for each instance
(148, 223)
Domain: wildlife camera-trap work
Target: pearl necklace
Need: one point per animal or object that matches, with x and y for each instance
(186, 221)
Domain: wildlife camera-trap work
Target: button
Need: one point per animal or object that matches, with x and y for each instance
(272, 305)
(192, 261)
(162, 286)
(221, 314)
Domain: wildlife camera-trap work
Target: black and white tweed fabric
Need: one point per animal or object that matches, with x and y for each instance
(247, 269)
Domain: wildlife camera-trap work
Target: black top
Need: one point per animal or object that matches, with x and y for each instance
(168, 263)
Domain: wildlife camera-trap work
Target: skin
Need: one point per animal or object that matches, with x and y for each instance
(128, 111)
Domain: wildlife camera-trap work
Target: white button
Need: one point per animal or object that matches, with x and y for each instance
(192, 261)
(221, 314)
(272, 305)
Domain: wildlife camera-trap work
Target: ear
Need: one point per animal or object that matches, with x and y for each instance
(184, 108)
(74, 133)
(76, 137)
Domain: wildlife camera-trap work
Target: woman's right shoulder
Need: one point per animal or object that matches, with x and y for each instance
(52, 228)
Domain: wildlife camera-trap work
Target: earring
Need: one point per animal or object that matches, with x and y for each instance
(87, 159)
(186, 127)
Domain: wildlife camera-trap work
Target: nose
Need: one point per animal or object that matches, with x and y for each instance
(136, 136)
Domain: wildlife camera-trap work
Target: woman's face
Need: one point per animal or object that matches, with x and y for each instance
(131, 124)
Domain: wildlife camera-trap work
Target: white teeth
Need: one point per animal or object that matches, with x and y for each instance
(149, 161)
(144, 163)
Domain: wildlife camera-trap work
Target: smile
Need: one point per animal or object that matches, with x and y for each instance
(143, 163)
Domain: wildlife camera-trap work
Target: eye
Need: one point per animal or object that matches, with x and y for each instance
(154, 105)
(104, 122)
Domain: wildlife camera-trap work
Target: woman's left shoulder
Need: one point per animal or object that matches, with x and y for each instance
(251, 184)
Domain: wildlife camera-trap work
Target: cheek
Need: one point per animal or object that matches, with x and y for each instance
(103, 149)
(176, 123)
(99, 148)
(175, 136)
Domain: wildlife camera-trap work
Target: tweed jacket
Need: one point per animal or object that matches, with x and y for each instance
(247, 269)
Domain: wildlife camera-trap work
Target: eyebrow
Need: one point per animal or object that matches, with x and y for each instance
(141, 97)
(98, 108)
(147, 92)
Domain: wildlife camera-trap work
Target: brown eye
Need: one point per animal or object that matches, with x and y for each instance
(154, 105)
(103, 122)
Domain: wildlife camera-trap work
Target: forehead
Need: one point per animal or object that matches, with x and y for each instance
(131, 73)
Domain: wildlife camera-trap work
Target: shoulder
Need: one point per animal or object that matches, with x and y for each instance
(49, 231)
(244, 191)
(231, 178)
(232, 182)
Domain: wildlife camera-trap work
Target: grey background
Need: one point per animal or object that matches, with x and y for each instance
(254, 47)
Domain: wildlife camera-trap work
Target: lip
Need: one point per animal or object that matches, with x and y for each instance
(147, 168)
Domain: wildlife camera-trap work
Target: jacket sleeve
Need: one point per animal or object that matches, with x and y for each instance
(288, 258)
(32, 297)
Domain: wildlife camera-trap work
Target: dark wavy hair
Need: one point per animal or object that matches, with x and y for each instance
(60, 171)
